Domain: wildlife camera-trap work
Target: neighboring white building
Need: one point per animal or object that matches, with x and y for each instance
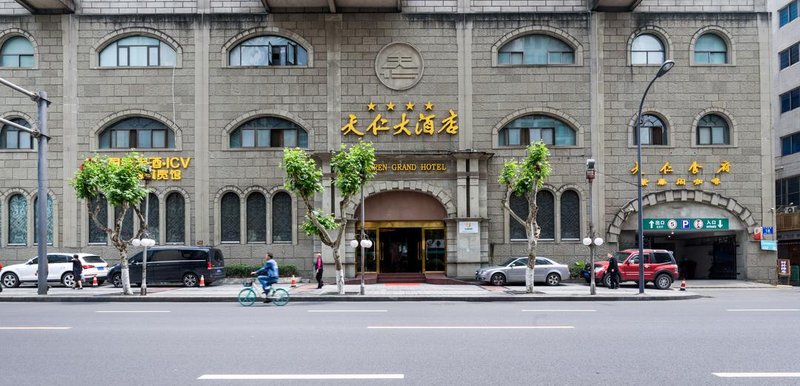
(786, 121)
(446, 90)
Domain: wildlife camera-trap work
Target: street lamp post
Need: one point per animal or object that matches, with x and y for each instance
(362, 241)
(590, 172)
(665, 67)
(40, 134)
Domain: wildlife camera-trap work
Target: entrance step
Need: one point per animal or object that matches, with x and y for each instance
(369, 278)
(441, 278)
(404, 277)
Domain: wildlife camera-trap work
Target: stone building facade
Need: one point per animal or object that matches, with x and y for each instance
(475, 80)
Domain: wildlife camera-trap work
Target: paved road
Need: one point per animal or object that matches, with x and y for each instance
(426, 343)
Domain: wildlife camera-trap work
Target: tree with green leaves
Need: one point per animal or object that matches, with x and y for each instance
(119, 184)
(524, 179)
(352, 169)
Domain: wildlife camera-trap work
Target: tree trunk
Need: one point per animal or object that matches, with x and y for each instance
(529, 279)
(126, 281)
(337, 261)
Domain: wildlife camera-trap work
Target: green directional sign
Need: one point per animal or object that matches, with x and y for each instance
(685, 224)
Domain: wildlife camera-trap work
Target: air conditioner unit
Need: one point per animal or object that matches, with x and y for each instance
(790, 209)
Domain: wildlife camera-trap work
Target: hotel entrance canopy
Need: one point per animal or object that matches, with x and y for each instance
(332, 6)
(614, 5)
(40, 7)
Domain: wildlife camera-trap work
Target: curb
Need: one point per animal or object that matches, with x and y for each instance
(347, 298)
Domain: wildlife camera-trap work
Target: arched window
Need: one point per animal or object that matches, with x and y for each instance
(268, 50)
(137, 132)
(536, 49)
(175, 217)
(546, 216)
(269, 132)
(520, 207)
(647, 49)
(713, 130)
(710, 49)
(654, 131)
(49, 220)
(256, 218)
(570, 216)
(126, 230)
(14, 138)
(281, 217)
(150, 211)
(138, 51)
(17, 220)
(528, 129)
(16, 52)
(96, 234)
(230, 217)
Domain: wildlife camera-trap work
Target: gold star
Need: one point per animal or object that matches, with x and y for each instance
(409, 106)
(428, 106)
(371, 106)
(390, 106)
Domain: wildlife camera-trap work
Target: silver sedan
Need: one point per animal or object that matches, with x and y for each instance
(513, 271)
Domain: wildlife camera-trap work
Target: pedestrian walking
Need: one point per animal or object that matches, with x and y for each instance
(77, 270)
(613, 270)
(318, 269)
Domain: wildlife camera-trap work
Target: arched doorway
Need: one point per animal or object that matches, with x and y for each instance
(408, 230)
(707, 232)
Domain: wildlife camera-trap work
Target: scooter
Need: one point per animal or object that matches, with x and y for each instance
(586, 273)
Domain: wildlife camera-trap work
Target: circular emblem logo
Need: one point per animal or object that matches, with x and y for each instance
(399, 66)
(672, 224)
(698, 224)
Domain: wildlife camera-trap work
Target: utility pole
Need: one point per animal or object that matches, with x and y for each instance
(40, 133)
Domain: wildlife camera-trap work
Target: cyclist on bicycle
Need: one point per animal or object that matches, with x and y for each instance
(267, 275)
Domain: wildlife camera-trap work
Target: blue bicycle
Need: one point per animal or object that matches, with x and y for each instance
(248, 295)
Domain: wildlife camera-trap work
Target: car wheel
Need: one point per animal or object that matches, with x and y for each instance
(190, 280)
(607, 280)
(68, 279)
(663, 281)
(553, 279)
(10, 280)
(498, 279)
(116, 280)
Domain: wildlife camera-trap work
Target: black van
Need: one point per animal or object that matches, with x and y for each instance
(174, 264)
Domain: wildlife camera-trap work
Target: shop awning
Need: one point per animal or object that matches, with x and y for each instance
(332, 6)
(614, 5)
(39, 7)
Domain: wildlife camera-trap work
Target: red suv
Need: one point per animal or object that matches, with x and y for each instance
(659, 267)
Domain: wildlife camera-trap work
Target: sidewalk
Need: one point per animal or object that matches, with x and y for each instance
(228, 290)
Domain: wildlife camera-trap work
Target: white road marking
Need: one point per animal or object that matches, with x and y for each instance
(298, 376)
(130, 312)
(763, 309)
(467, 327)
(757, 375)
(559, 310)
(35, 328)
(338, 311)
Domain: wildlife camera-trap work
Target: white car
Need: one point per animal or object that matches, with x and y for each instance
(59, 269)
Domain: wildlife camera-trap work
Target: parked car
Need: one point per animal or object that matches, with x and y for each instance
(174, 264)
(59, 269)
(659, 267)
(513, 271)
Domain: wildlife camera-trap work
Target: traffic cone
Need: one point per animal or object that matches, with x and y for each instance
(683, 284)
(294, 282)
(202, 281)
(94, 281)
